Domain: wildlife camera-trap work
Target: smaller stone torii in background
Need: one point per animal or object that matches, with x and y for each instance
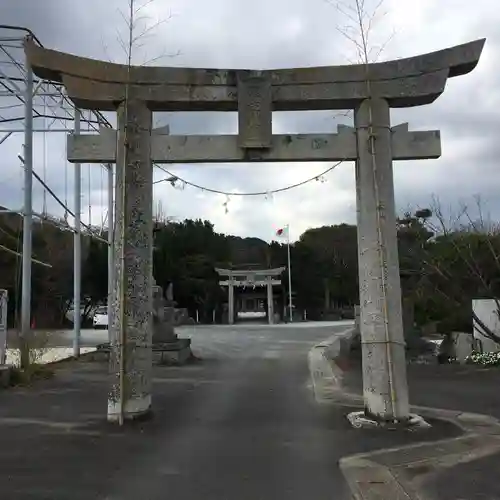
(368, 89)
(250, 278)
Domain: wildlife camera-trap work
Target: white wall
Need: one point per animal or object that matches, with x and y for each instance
(486, 311)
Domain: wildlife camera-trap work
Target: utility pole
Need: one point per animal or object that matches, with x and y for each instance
(111, 267)
(290, 305)
(77, 249)
(27, 218)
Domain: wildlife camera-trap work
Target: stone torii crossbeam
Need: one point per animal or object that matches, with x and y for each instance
(341, 146)
(370, 90)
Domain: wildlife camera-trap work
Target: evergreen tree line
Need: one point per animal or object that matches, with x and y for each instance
(443, 267)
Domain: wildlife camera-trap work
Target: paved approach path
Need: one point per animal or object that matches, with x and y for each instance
(240, 424)
(212, 337)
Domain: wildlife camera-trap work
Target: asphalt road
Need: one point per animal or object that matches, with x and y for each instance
(252, 430)
(242, 423)
(223, 340)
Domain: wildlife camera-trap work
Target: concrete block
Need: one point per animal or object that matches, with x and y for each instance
(486, 311)
(464, 345)
(457, 345)
(173, 353)
(5, 372)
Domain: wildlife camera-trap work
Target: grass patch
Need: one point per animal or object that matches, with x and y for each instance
(29, 375)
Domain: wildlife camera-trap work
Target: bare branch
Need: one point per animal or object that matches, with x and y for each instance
(126, 19)
(143, 6)
(360, 27)
(160, 56)
(105, 49)
(140, 27)
(122, 43)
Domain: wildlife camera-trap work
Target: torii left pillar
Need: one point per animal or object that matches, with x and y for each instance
(270, 300)
(133, 256)
(99, 86)
(230, 301)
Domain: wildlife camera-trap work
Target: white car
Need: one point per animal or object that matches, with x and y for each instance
(101, 317)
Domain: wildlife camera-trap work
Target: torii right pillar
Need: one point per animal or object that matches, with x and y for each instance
(385, 386)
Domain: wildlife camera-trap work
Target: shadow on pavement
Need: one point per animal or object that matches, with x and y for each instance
(246, 429)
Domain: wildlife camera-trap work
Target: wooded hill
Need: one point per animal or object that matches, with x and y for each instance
(442, 268)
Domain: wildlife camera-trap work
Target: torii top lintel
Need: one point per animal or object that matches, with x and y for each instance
(246, 272)
(413, 81)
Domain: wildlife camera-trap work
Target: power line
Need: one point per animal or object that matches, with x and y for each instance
(17, 254)
(61, 203)
(175, 178)
(52, 107)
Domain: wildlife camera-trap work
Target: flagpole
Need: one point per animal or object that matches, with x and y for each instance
(289, 277)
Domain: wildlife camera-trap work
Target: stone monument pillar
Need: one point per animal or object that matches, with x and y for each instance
(384, 367)
(163, 317)
(270, 301)
(167, 346)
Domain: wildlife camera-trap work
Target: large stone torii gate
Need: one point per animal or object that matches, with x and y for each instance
(370, 90)
(250, 278)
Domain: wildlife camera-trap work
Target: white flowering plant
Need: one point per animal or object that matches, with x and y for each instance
(484, 358)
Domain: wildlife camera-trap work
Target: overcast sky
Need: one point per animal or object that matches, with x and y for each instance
(273, 34)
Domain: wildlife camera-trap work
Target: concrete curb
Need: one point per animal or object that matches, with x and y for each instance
(6, 370)
(327, 375)
(82, 356)
(398, 472)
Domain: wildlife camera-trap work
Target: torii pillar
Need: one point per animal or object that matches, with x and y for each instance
(133, 257)
(383, 346)
(131, 329)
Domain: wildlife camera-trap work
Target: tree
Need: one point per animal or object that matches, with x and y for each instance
(459, 260)
(52, 272)
(186, 254)
(94, 274)
(324, 267)
(52, 287)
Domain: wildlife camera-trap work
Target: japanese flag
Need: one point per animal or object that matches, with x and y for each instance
(282, 232)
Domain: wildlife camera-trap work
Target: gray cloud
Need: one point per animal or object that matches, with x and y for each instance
(262, 34)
